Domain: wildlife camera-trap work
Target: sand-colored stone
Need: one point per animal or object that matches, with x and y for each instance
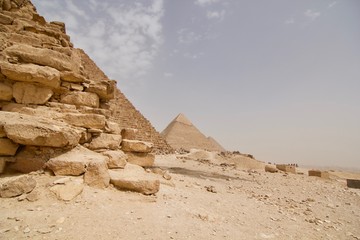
(106, 141)
(286, 168)
(5, 92)
(15, 186)
(97, 174)
(270, 169)
(113, 128)
(73, 77)
(136, 146)
(67, 191)
(130, 133)
(116, 159)
(353, 183)
(104, 89)
(44, 75)
(85, 120)
(81, 99)
(27, 93)
(8, 147)
(318, 173)
(134, 178)
(6, 20)
(141, 159)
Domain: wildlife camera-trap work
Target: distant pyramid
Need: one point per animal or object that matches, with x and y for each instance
(181, 133)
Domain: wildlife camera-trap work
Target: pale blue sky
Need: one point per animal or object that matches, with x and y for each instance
(278, 79)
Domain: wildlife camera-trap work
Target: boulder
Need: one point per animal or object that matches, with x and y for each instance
(97, 174)
(37, 131)
(40, 56)
(30, 159)
(136, 146)
(106, 141)
(117, 159)
(28, 93)
(286, 168)
(134, 178)
(67, 191)
(8, 147)
(85, 120)
(74, 162)
(81, 99)
(141, 159)
(129, 133)
(6, 92)
(15, 186)
(270, 169)
(44, 75)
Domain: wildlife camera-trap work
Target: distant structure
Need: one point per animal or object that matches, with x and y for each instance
(182, 134)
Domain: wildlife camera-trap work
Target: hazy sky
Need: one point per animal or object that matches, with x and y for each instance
(278, 79)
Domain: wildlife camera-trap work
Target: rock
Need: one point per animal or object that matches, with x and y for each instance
(74, 162)
(15, 186)
(40, 56)
(104, 89)
(28, 93)
(85, 120)
(2, 165)
(73, 77)
(68, 191)
(6, 20)
(270, 169)
(136, 146)
(210, 189)
(106, 141)
(97, 174)
(129, 133)
(81, 99)
(8, 147)
(318, 173)
(37, 131)
(29, 159)
(167, 176)
(5, 92)
(113, 128)
(353, 183)
(141, 159)
(33, 196)
(116, 159)
(286, 168)
(134, 178)
(44, 75)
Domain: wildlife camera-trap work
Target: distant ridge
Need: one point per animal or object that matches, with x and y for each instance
(181, 133)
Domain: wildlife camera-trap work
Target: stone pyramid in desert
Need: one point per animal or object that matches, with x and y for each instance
(181, 133)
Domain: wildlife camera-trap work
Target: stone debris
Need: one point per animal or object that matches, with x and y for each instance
(67, 191)
(15, 186)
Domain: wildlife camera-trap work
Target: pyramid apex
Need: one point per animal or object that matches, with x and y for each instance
(181, 118)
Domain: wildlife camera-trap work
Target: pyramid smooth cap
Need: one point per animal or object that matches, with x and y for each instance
(181, 118)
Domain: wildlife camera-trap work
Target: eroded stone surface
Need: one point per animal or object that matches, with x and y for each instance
(141, 159)
(81, 99)
(136, 146)
(27, 93)
(117, 159)
(15, 186)
(5, 92)
(7, 147)
(106, 141)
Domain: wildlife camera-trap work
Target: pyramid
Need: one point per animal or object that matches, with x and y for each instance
(181, 133)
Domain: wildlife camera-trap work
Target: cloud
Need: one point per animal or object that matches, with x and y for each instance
(203, 3)
(290, 21)
(186, 36)
(216, 14)
(311, 14)
(332, 4)
(168, 74)
(122, 38)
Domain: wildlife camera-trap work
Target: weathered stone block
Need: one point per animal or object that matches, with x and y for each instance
(286, 168)
(8, 147)
(29, 159)
(6, 92)
(117, 159)
(104, 89)
(6, 20)
(2, 165)
(97, 174)
(136, 146)
(270, 169)
(28, 93)
(353, 183)
(141, 159)
(23, 39)
(40, 56)
(72, 77)
(113, 128)
(85, 120)
(318, 173)
(130, 133)
(134, 178)
(37, 131)
(106, 141)
(67, 191)
(46, 76)
(15, 186)
(81, 98)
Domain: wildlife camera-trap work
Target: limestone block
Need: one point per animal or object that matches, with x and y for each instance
(67, 191)
(104, 89)
(318, 173)
(59, 25)
(69, 76)
(8, 147)
(136, 146)
(134, 178)
(117, 159)
(85, 120)
(46, 76)
(353, 183)
(6, 20)
(29, 159)
(6, 92)
(141, 159)
(15, 186)
(28, 93)
(270, 169)
(106, 141)
(40, 56)
(75, 161)
(97, 174)
(6, 5)
(129, 133)
(81, 98)
(23, 39)
(37, 131)
(112, 127)
(286, 168)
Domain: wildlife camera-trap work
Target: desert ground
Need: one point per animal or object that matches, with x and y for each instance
(208, 197)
